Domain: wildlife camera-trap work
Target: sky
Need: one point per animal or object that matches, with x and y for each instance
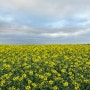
(44, 21)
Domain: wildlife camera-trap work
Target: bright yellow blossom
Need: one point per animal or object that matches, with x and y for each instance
(65, 84)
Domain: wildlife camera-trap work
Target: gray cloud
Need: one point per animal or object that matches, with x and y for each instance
(42, 32)
(7, 28)
(22, 39)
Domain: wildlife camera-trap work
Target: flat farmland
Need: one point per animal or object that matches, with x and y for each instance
(44, 67)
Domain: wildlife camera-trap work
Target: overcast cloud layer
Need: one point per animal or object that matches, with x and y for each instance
(44, 21)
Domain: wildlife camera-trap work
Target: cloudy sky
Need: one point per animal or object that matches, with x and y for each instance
(44, 21)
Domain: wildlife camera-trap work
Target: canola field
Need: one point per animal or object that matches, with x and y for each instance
(44, 67)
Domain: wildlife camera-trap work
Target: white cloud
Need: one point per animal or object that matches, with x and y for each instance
(49, 7)
(66, 34)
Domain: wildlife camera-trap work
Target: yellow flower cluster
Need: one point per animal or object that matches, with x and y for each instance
(44, 67)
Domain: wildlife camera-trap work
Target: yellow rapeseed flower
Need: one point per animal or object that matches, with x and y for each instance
(24, 75)
(65, 84)
(51, 82)
(34, 84)
(31, 72)
(27, 88)
(16, 78)
(86, 80)
(55, 88)
(63, 70)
